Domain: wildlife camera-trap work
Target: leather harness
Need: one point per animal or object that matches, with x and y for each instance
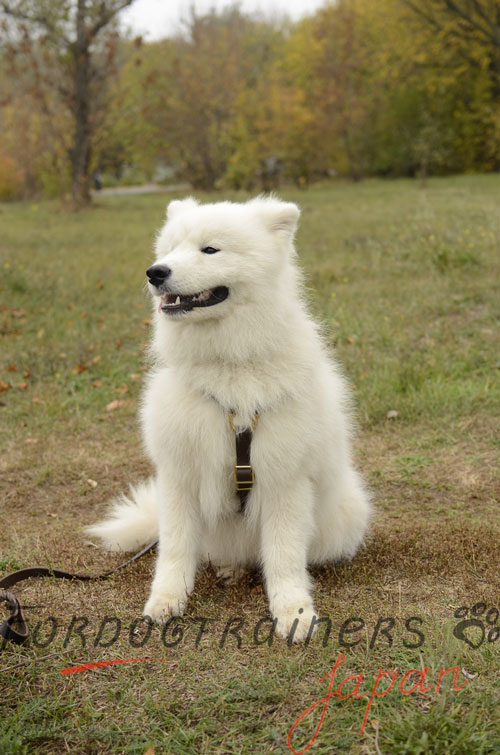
(243, 474)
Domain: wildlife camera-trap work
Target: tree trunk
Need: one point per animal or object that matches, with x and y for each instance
(354, 171)
(80, 154)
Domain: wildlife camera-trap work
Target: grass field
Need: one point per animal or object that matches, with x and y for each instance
(405, 279)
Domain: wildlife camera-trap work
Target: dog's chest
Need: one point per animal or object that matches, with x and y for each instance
(244, 389)
(189, 438)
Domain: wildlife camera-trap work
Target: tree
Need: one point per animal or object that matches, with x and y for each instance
(128, 135)
(70, 46)
(199, 87)
(462, 23)
(272, 136)
(470, 30)
(335, 57)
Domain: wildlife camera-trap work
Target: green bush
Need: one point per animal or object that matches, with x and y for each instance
(11, 179)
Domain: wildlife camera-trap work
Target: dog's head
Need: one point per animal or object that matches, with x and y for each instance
(212, 257)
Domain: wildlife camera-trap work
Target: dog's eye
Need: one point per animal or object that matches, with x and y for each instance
(209, 250)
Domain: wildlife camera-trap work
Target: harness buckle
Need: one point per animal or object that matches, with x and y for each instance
(244, 477)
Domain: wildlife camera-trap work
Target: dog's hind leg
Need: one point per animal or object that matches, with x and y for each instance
(342, 516)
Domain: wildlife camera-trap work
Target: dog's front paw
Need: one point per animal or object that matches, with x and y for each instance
(161, 606)
(296, 623)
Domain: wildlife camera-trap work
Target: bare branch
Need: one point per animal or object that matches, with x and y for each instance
(474, 16)
(419, 11)
(106, 15)
(461, 30)
(17, 13)
(482, 14)
(459, 11)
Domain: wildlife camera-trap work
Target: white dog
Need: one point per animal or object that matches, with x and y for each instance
(235, 349)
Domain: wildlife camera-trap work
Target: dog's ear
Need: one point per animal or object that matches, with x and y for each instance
(278, 215)
(178, 206)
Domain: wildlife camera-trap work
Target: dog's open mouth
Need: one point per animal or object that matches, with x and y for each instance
(172, 302)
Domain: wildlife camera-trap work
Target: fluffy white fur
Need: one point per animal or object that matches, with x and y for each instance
(260, 351)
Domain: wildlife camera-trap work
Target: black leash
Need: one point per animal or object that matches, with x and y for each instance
(15, 628)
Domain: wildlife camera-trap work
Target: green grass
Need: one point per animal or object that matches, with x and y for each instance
(405, 281)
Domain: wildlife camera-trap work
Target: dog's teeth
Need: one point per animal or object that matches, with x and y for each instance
(177, 301)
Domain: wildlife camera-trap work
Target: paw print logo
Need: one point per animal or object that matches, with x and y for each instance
(478, 624)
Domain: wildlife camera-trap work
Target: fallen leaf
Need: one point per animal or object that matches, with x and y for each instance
(97, 383)
(135, 376)
(468, 675)
(117, 404)
(11, 368)
(79, 368)
(92, 483)
(21, 386)
(27, 372)
(122, 389)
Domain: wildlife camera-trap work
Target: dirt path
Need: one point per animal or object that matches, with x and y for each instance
(151, 188)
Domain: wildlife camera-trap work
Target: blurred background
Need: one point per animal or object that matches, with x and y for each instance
(381, 119)
(97, 94)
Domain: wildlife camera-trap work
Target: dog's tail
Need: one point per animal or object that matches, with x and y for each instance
(132, 520)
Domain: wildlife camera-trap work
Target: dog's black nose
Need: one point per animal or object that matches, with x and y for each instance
(157, 274)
